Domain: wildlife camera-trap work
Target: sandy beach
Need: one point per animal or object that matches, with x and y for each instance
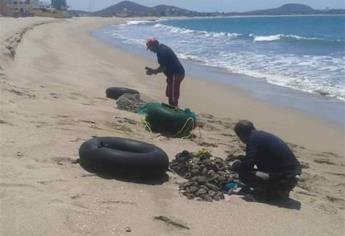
(53, 77)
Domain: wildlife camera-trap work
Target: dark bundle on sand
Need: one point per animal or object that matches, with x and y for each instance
(206, 175)
(129, 102)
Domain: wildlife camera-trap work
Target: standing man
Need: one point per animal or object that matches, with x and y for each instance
(277, 169)
(170, 65)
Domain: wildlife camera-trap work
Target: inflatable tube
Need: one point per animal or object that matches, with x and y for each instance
(124, 154)
(116, 92)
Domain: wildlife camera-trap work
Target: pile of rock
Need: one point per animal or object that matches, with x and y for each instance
(206, 175)
(129, 102)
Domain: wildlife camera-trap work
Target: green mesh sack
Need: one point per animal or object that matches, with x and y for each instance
(168, 120)
(142, 110)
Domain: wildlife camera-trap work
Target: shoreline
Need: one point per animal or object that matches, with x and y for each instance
(324, 108)
(52, 100)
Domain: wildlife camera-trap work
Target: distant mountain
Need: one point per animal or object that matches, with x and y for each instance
(287, 9)
(165, 10)
(132, 9)
(128, 9)
(125, 8)
(290, 9)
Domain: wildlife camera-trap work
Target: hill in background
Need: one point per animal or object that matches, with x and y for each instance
(132, 9)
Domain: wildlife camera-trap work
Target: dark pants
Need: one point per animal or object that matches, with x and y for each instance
(275, 184)
(173, 88)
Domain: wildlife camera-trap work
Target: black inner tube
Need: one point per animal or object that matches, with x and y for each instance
(125, 154)
(126, 146)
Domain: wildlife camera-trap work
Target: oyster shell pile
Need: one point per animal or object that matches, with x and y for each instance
(206, 174)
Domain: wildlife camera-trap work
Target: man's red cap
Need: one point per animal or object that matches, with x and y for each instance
(151, 42)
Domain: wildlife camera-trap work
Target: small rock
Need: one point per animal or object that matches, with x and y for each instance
(192, 189)
(186, 184)
(201, 192)
(207, 198)
(195, 171)
(220, 195)
(212, 187)
(200, 179)
(20, 155)
(189, 195)
(188, 176)
(204, 171)
(212, 193)
(128, 229)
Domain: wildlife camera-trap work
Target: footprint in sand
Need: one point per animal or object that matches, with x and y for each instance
(87, 175)
(19, 155)
(324, 161)
(118, 202)
(61, 116)
(328, 154)
(22, 93)
(88, 104)
(336, 200)
(92, 124)
(64, 160)
(229, 135)
(54, 95)
(86, 121)
(17, 185)
(77, 140)
(77, 196)
(39, 124)
(3, 76)
(125, 120)
(3, 122)
(78, 95)
(337, 174)
(102, 99)
(31, 167)
(205, 144)
(45, 182)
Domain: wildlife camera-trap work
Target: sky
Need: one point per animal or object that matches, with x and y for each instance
(208, 5)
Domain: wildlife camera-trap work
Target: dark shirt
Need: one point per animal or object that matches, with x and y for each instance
(269, 153)
(168, 59)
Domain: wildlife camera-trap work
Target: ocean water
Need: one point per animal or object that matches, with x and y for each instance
(304, 53)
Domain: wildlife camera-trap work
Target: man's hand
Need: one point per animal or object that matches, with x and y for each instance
(149, 71)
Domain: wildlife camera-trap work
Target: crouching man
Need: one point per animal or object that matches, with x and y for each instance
(277, 169)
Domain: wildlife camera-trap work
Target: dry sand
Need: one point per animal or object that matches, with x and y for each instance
(53, 75)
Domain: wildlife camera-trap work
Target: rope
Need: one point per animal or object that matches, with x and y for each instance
(146, 124)
(183, 130)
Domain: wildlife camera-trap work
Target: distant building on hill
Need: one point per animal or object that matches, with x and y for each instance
(59, 4)
(45, 5)
(3, 8)
(18, 7)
